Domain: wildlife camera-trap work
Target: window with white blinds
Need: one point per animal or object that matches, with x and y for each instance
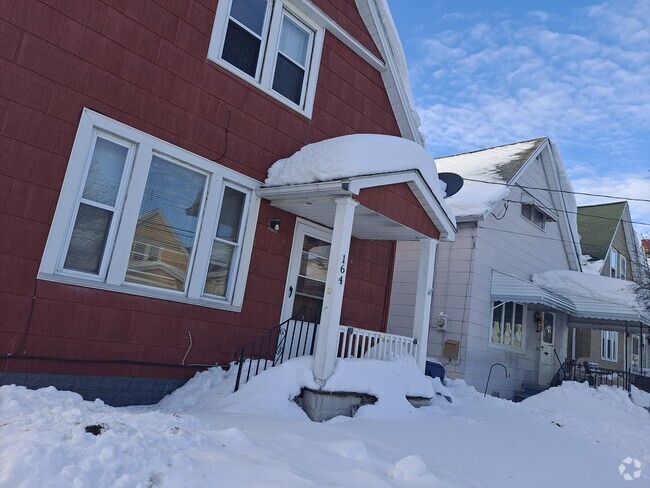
(143, 216)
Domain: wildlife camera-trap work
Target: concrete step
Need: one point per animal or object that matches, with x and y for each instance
(528, 390)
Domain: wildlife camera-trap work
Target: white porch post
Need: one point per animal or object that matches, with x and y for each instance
(423, 294)
(328, 329)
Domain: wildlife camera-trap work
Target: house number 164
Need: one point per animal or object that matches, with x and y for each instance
(342, 270)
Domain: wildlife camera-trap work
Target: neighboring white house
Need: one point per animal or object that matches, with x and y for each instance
(516, 218)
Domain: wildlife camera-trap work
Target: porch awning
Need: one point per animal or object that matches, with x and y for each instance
(604, 315)
(510, 289)
(584, 312)
(316, 202)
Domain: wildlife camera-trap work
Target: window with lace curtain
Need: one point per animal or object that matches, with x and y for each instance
(272, 44)
(143, 216)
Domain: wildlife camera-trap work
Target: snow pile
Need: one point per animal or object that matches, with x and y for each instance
(272, 393)
(591, 266)
(589, 286)
(204, 435)
(476, 198)
(640, 397)
(581, 410)
(354, 155)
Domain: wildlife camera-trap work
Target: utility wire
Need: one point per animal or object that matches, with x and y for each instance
(578, 213)
(560, 191)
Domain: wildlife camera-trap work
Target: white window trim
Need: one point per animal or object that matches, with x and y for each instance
(271, 37)
(135, 175)
(613, 256)
(505, 347)
(604, 336)
(534, 208)
(622, 266)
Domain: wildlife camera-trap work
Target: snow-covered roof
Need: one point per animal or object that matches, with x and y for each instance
(354, 155)
(358, 161)
(596, 297)
(495, 168)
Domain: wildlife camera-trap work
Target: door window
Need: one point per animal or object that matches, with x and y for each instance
(310, 285)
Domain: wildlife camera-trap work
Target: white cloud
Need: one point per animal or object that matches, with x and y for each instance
(582, 82)
(621, 185)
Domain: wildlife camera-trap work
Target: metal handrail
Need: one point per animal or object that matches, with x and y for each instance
(270, 349)
(595, 376)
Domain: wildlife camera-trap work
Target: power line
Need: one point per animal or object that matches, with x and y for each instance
(528, 235)
(560, 191)
(590, 216)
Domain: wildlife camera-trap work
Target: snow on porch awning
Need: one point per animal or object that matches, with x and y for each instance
(510, 289)
(600, 302)
(358, 165)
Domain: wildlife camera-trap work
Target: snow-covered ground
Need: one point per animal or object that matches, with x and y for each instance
(204, 435)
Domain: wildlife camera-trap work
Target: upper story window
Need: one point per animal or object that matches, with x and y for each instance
(270, 43)
(613, 262)
(142, 216)
(622, 270)
(532, 213)
(535, 211)
(508, 324)
(617, 264)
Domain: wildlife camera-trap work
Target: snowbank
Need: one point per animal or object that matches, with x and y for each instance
(272, 393)
(204, 435)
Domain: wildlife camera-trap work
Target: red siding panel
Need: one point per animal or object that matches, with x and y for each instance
(145, 64)
(400, 204)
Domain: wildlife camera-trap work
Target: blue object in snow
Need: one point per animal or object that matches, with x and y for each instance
(435, 370)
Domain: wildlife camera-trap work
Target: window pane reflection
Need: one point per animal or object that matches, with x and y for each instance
(167, 223)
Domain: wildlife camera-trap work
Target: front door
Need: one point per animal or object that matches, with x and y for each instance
(547, 349)
(307, 271)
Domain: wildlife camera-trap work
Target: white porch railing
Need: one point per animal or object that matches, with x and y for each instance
(368, 344)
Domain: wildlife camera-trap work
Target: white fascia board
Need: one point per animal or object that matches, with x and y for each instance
(404, 113)
(293, 191)
(341, 34)
(435, 210)
(573, 253)
(528, 162)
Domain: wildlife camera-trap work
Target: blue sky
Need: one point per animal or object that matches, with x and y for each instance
(486, 73)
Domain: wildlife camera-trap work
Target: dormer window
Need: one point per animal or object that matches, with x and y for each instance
(271, 45)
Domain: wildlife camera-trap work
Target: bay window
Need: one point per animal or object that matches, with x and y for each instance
(142, 216)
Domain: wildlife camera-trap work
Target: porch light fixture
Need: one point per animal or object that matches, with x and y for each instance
(274, 224)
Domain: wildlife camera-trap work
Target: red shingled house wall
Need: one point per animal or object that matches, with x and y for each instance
(145, 64)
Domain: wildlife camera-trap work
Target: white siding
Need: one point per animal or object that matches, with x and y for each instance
(506, 242)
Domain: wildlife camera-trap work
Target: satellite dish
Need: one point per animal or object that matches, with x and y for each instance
(453, 181)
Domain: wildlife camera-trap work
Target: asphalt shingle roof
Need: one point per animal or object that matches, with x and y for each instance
(597, 225)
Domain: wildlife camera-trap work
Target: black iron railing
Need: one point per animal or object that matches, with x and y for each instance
(292, 338)
(590, 372)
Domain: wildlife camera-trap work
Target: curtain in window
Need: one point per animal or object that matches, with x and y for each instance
(291, 61)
